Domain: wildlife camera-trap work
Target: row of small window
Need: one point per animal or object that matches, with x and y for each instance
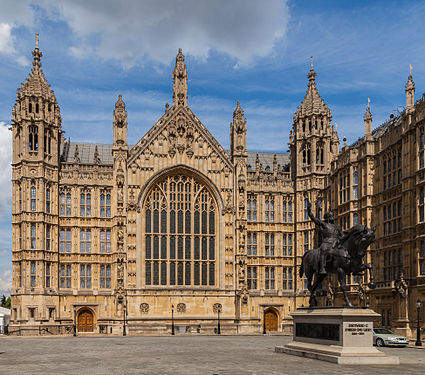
(65, 276)
(180, 273)
(33, 139)
(392, 171)
(392, 217)
(202, 221)
(269, 278)
(65, 203)
(344, 186)
(66, 242)
(85, 204)
(85, 240)
(393, 264)
(269, 209)
(269, 244)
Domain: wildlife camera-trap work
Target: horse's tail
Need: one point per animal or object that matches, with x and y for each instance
(302, 267)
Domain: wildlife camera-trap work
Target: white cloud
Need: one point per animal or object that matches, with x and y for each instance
(5, 160)
(5, 282)
(134, 31)
(6, 39)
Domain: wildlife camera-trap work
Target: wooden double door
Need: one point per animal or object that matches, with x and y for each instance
(85, 321)
(271, 320)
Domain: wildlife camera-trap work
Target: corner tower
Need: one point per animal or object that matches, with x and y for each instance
(36, 127)
(313, 145)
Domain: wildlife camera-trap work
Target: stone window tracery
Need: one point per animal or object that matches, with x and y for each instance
(48, 200)
(251, 208)
(65, 203)
(269, 278)
(252, 277)
(65, 240)
(287, 278)
(269, 209)
(287, 210)
(33, 138)
(33, 198)
(180, 233)
(251, 243)
(105, 276)
(85, 203)
(105, 204)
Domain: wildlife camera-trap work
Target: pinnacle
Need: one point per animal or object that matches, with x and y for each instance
(312, 102)
(120, 103)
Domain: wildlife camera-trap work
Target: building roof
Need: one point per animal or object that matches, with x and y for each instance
(266, 159)
(86, 154)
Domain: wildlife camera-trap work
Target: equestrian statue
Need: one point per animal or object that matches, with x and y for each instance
(339, 253)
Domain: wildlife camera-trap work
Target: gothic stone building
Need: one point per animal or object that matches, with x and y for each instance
(176, 226)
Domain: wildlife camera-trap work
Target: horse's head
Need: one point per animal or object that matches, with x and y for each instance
(359, 239)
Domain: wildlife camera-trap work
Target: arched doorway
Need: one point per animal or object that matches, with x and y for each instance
(85, 321)
(271, 319)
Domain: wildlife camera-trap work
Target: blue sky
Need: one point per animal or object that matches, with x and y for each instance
(257, 52)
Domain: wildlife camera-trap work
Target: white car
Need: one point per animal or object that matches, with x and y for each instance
(386, 337)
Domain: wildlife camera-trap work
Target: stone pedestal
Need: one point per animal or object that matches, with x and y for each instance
(341, 335)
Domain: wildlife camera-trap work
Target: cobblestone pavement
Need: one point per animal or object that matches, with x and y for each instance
(177, 355)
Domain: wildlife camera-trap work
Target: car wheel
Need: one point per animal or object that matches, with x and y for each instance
(380, 342)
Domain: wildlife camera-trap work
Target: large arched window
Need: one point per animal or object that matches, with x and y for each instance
(179, 233)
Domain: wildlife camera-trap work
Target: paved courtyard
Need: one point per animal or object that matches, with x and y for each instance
(177, 355)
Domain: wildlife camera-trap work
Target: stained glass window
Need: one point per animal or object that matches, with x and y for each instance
(180, 224)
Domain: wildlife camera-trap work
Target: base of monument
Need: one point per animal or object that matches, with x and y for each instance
(340, 335)
(339, 355)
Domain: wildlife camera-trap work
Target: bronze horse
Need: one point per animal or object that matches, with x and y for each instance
(345, 259)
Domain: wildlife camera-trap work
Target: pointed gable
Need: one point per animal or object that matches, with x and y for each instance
(179, 131)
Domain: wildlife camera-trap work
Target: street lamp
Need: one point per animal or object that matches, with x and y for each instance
(75, 320)
(418, 328)
(264, 320)
(124, 333)
(172, 320)
(218, 320)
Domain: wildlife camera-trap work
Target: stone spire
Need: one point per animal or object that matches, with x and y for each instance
(410, 92)
(180, 81)
(367, 120)
(312, 103)
(36, 84)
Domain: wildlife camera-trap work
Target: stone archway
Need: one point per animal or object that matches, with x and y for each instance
(85, 321)
(271, 320)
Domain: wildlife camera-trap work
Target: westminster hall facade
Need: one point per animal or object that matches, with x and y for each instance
(176, 228)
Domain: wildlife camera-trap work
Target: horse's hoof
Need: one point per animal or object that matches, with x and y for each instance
(372, 285)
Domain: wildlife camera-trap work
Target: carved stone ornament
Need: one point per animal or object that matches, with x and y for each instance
(217, 307)
(180, 137)
(144, 308)
(181, 307)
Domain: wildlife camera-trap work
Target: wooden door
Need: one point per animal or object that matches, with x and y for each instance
(271, 320)
(85, 321)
